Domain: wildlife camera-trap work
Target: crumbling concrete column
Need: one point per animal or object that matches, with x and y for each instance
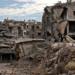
(64, 44)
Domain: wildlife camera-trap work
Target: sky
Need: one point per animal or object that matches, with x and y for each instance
(24, 9)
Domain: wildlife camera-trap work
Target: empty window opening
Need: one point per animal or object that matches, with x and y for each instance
(5, 57)
(3, 24)
(27, 26)
(33, 28)
(48, 21)
(10, 29)
(37, 27)
(24, 26)
(72, 36)
(64, 14)
(74, 13)
(27, 32)
(39, 33)
(48, 34)
(32, 35)
(72, 27)
(24, 33)
(19, 30)
(13, 57)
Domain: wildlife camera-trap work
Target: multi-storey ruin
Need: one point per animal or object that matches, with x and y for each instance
(35, 29)
(59, 21)
(10, 30)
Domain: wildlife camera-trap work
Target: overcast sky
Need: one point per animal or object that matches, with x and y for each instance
(24, 9)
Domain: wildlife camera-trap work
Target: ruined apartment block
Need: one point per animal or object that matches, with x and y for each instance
(59, 21)
(10, 31)
(35, 29)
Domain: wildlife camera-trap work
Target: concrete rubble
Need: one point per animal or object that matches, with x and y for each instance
(47, 59)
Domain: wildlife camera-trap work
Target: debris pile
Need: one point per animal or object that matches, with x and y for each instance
(50, 59)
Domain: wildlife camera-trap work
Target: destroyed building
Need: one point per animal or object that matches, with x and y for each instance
(10, 30)
(35, 29)
(24, 47)
(58, 21)
(6, 52)
(19, 25)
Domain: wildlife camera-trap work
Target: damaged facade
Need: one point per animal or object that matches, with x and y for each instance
(24, 47)
(58, 21)
(35, 29)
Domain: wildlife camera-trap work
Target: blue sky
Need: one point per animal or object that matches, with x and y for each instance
(24, 9)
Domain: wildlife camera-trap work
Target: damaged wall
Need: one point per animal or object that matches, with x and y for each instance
(24, 47)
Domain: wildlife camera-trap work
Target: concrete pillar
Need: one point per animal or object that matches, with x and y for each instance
(64, 42)
(10, 57)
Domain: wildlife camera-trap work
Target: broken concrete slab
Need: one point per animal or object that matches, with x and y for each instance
(61, 27)
(57, 12)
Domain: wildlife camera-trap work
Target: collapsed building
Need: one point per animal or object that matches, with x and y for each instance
(6, 52)
(25, 47)
(18, 26)
(9, 32)
(58, 21)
